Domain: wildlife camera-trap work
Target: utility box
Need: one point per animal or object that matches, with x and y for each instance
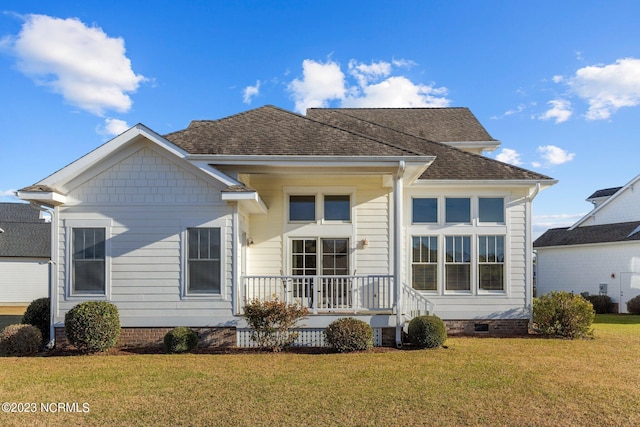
(603, 288)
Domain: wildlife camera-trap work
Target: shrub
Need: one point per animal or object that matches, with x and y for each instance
(601, 303)
(38, 314)
(427, 331)
(271, 323)
(563, 314)
(92, 326)
(349, 334)
(180, 340)
(20, 340)
(633, 305)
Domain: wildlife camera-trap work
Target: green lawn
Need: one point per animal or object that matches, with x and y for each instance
(475, 381)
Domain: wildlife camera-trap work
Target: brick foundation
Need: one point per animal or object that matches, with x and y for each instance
(488, 327)
(154, 337)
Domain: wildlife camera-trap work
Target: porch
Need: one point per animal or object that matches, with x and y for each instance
(348, 294)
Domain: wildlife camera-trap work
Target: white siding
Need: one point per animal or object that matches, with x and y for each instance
(582, 268)
(149, 201)
(23, 279)
(624, 207)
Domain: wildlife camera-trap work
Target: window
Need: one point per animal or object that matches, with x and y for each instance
(491, 209)
(337, 208)
(335, 257)
(424, 263)
(458, 210)
(304, 257)
(88, 259)
(458, 263)
(302, 208)
(425, 210)
(491, 263)
(203, 261)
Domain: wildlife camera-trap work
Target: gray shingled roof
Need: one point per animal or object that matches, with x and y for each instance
(435, 124)
(604, 193)
(270, 130)
(25, 234)
(620, 232)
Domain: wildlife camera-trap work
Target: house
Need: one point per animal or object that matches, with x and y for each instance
(24, 254)
(600, 253)
(381, 214)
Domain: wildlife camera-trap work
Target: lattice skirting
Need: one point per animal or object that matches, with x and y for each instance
(307, 337)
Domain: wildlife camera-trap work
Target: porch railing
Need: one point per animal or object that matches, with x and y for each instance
(415, 304)
(324, 294)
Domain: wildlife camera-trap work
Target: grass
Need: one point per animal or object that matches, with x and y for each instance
(475, 381)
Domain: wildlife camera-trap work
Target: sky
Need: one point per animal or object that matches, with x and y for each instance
(558, 83)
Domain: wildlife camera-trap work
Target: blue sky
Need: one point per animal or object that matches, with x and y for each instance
(558, 83)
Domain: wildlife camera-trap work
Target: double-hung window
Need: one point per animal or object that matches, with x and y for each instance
(458, 263)
(204, 272)
(424, 263)
(491, 263)
(88, 261)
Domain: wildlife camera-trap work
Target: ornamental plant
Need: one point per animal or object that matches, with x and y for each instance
(20, 340)
(563, 314)
(38, 315)
(633, 305)
(348, 334)
(271, 323)
(180, 340)
(601, 303)
(427, 331)
(92, 326)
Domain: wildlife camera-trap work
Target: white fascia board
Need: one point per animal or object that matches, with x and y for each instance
(544, 183)
(249, 200)
(309, 161)
(50, 198)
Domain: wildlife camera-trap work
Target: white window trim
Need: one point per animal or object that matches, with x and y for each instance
(505, 266)
(489, 223)
(439, 271)
(69, 225)
(319, 192)
(288, 267)
(184, 260)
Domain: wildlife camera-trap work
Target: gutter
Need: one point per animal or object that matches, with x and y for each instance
(52, 263)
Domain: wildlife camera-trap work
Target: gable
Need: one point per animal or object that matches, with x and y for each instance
(622, 205)
(144, 177)
(607, 233)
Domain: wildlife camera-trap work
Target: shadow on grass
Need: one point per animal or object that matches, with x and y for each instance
(618, 319)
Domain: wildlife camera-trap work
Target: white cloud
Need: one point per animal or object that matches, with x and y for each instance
(374, 85)
(508, 155)
(113, 127)
(553, 155)
(321, 83)
(86, 66)
(250, 92)
(557, 79)
(607, 88)
(560, 110)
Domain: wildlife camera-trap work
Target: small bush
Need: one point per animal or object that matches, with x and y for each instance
(427, 331)
(180, 340)
(601, 303)
(633, 305)
(20, 340)
(563, 314)
(349, 334)
(38, 314)
(92, 326)
(271, 323)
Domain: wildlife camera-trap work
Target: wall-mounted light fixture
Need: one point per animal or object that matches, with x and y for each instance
(249, 242)
(613, 275)
(365, 243)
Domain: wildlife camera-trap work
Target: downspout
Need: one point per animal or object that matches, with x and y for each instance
(528, 239)
(397, 248)
(53, 271)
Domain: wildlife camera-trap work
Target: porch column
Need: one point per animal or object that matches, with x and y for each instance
(397, 248)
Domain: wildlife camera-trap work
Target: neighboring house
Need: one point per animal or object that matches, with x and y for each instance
(24, 254)
(599, 254)
(372, 213)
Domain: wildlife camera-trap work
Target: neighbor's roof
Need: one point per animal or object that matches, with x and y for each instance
(604, 193)
(342, 132)
(24, 233)
(607, 233)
